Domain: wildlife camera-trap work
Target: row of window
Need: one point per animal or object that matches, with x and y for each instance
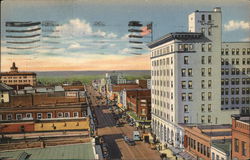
(162, 93)
(209, 31)
(201, 148)
(186, 72)
(163, 115)
(203, 17)
(209, 47)
(39, 115)
(203, 109)
(14, 77)
(244, 100)
(235, 51)
(163, 83)
(163, 62)
(185, 47)
(235, 91)
(163, 50)
(237, 147)
(162, 104)
(185, 96)
(235, 61)
(235, 71)
(168, 72)
(235, 81)
(15, 81)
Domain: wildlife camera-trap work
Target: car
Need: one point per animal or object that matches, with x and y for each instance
(118, 124)
(129, 141)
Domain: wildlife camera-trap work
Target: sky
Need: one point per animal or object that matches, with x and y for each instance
(93, 34)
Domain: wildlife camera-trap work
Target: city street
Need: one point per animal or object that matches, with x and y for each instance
(113, 136)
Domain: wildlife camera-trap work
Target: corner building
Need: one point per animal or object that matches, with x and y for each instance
(186, 78)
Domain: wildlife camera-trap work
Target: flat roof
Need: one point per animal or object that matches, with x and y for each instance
(222, 145)
(72, 151)
(188, 37)
(4, 87)
(221, 126)
(218, 134)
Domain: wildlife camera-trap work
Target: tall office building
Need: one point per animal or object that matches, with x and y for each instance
(186, 77)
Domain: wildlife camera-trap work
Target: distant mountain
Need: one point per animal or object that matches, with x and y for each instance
(90, 73)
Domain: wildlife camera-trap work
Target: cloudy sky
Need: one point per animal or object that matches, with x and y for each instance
(93, 34)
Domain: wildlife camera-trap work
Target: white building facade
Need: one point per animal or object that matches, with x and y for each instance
(186, 77)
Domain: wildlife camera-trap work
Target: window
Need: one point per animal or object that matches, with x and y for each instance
(59, 115)
(202, 59)
(203, 47)
(185, 59)
(209, 59)
(209, 83)
(190, 84)
(209, 31)
(203, 96)
(39, 115)
(18, 116)
(236, 145)
(49, 115)
(244, 51)
(185, 119)
(226, 51)
(203, 17)
(203, 30)
(28, 115)
(213, 156)
(202, 119)
(243, 146)
(222, 51)
(183, 96)
(233, 51)
(209, 17)
(190, 96)
(209, 47)
(190, 72)
(9, 116)
(185, 108)
(209, 119)
(202, 84)
(183, 72)
(67, 114)
(202, 71)
(183, 84)
(209, 71)
(209, 107)
(75, 114)
(237, 51)
(209, 96)
(202, 107)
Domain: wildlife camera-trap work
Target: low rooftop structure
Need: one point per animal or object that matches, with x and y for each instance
(73, 151)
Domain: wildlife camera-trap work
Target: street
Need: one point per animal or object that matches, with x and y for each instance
(113, 136)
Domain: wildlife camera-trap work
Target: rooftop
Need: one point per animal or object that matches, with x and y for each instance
(73, 151)
(188, 37)
(4, 87)
(222, 145)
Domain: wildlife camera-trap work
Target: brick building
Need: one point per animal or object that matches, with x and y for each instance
(198, 140)
(139, 101)
(42, 106)
(45, 125)
(241, 137)
(18, 80)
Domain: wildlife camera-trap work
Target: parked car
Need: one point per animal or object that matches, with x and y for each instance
(105, 150)
(129, 141)
(118, 124)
